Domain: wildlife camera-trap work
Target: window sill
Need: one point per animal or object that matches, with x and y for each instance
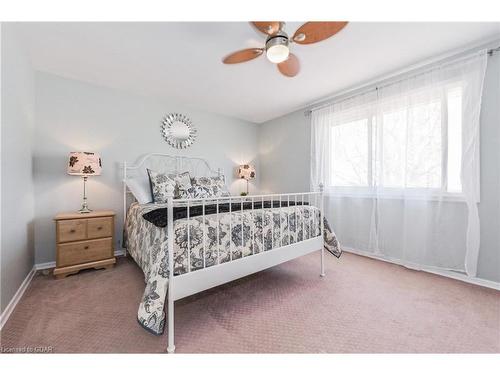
(446, 197)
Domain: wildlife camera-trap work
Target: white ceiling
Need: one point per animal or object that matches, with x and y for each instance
(182, 61)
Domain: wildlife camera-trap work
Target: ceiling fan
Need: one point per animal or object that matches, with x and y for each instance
(277, 46)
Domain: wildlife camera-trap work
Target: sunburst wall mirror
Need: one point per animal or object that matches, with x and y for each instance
(178, 130)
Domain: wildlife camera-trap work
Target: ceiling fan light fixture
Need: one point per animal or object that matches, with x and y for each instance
(277, 43)
(277, 49)
(277, 54)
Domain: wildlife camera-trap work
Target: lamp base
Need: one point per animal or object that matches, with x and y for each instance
(85, 209)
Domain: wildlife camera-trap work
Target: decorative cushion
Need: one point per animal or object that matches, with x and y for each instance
(182, 184)
(197, 191)
(209, 187)
(160, 181)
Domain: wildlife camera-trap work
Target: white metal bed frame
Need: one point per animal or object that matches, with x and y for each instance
(183, 285)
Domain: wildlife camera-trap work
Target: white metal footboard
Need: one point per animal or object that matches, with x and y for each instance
(190, 283)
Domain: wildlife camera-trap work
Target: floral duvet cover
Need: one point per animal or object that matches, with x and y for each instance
(147, 244)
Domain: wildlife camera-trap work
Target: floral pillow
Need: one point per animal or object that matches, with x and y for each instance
(197, 191)
(209, 187)
(160, 181)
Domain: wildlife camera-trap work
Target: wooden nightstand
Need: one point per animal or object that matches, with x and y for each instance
(84, 241)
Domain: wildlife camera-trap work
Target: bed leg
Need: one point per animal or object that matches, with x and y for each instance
(322, 274)
(170, 249)
(322, 231)
(171, 346)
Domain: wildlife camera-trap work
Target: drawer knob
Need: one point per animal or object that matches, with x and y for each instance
(86, 247)
(72, 231)
(99, 228)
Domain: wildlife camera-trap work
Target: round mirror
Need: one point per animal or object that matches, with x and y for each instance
(178, 130)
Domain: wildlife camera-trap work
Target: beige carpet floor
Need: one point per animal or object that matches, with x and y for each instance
(362, 305)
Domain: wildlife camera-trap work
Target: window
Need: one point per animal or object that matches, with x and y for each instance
(350, 154)
(412, 145)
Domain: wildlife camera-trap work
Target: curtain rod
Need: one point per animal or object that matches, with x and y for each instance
(489, 52)
(492, 51)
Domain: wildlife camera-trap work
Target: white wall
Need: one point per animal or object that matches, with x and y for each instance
(75, 116)
(17, 207)
(285, 152)
(284, 145)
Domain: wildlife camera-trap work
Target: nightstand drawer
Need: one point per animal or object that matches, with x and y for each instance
(84, 251)
(100, 227)
(71, 230)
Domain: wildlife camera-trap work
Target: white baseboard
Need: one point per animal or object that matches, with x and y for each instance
(44, 266)
(26, 282)
(446, 273)
(16, 298)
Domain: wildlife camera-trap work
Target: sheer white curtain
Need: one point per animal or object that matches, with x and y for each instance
(401, 166)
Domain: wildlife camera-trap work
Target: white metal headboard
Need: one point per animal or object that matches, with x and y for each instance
(171, 164)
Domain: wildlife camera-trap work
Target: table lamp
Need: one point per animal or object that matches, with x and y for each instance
(247, 172)
(84, 164)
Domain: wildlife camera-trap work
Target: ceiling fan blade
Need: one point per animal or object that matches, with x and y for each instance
(243, 55)
(313, 32)
(267, 27)
(290, 67)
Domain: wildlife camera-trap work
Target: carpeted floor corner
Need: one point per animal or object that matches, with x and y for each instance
(361, 306)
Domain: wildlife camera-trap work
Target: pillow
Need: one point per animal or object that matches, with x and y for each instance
(160, 181)
(141, 189)
(209, 187)
(197, 191)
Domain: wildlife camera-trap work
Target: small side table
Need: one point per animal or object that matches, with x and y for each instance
(84, 241)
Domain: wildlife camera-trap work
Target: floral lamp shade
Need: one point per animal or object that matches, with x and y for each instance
(246, 171)
(84, 164)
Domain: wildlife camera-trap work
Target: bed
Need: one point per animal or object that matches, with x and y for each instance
(185, 246)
